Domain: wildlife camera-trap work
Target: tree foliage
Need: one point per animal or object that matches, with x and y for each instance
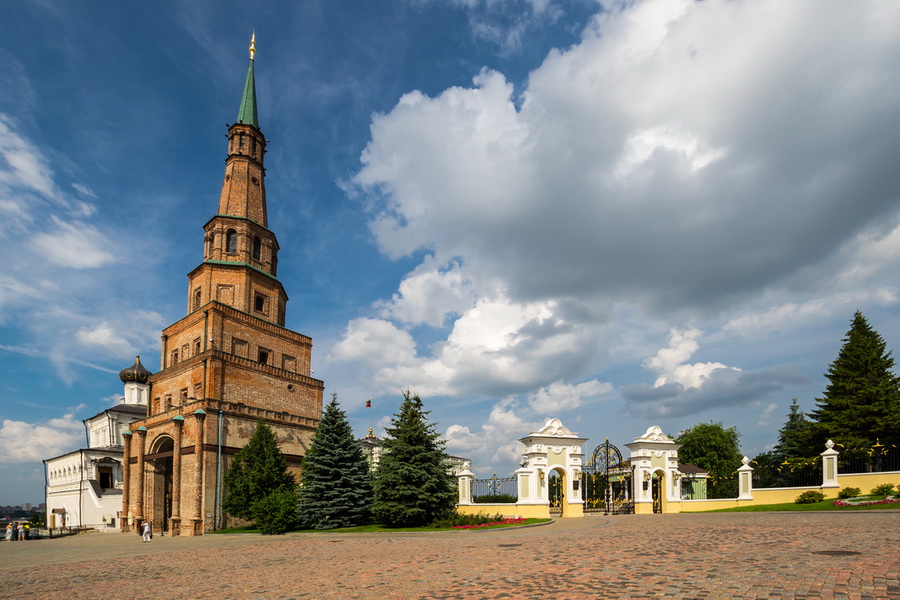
(715, 449)
(336, 488)
(256, 471)
(861, 404)
(412, 486)
(795, 437)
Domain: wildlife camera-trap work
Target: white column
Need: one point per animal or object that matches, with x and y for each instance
(829, 466)
(745, 480)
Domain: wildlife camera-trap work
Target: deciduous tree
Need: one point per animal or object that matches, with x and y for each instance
(715, 449)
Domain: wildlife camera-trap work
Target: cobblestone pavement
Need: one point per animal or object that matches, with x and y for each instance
(681, 556)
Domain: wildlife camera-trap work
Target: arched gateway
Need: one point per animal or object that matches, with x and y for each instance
(552, 451)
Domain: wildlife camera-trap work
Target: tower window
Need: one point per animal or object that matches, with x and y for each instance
(231, 241)
(196, 346)
(257, 247)
(197, 297)
(259, 303)
(174, 356)
(264, 355)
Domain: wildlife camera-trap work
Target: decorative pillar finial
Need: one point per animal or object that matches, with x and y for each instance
(252, 45)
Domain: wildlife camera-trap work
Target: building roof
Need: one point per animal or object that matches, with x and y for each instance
(135, 372)
(247, 113)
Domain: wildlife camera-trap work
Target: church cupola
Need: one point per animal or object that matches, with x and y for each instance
(136, 379)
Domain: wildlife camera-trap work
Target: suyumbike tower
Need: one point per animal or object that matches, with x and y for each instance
(227, 364)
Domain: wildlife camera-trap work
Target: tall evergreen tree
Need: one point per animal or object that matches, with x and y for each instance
(256, 471)
(861, 404)
(716, 449)
(412, 486)
(794, 438)
(336, 488)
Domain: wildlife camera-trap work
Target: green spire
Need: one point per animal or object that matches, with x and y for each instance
(247, 113)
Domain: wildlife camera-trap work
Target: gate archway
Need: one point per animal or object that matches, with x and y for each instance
(159, 472)
(606, 482)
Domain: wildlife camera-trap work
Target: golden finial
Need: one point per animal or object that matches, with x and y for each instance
(252, 45)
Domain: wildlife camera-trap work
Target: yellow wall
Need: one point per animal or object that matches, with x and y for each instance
(866, 481)
(528, 511)
(863, 481)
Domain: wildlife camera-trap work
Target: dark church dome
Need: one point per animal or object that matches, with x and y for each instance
(135, 372)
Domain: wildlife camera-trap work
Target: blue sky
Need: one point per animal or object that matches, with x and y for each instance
(621, 214)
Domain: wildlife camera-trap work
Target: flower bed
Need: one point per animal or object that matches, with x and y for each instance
(863, 502)
(481, 525)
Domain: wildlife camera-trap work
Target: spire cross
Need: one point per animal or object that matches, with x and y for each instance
(252, 45)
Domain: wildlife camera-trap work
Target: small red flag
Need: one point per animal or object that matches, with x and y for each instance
(368, 404)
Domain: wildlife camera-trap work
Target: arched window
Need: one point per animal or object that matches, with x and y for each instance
(231, 241)
(257, 247)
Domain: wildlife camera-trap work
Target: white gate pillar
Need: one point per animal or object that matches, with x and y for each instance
(654, 453)
(553, 447)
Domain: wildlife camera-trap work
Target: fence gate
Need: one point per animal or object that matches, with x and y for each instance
(606, 482)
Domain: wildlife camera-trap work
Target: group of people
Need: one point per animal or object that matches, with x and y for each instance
(16, 531)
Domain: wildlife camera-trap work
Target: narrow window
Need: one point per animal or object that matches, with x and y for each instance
(257, 247)
(231, 241)
(264, 356)
(174, 356)
(259, 303)
(196, 346)
(197, 297)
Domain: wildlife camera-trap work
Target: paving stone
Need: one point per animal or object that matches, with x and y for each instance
(759, 556)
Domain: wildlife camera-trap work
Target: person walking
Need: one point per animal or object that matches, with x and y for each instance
(9, 532)
(148, 533)
(22, 531)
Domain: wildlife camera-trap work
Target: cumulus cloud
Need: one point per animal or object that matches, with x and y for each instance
(661, 159)
(22, 442)
(429, 295)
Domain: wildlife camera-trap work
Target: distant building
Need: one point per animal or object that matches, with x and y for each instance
(373, 450)
(84, 487)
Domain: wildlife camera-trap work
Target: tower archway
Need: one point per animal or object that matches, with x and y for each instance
(159, 475)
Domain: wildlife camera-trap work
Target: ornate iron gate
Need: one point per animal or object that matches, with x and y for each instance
(606, 482)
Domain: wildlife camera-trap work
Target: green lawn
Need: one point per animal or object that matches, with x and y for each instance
(375, 528)
(816, 506)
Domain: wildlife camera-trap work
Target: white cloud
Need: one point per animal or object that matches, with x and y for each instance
(669, 362)
(22, 442)
(23, 166)
(766, 415)
(429, 295)
(374, 342)
(105, 337)
(73, 244)
(558, 396)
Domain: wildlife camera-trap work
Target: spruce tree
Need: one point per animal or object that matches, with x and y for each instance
(412, 486)
(256, 471)
(336, 487)
(794, 438)
(861, 404)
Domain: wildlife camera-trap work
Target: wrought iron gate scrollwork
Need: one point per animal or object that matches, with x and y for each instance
(606, 482)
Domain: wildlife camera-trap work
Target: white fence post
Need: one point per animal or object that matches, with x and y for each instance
(829, 466)
(745, 480)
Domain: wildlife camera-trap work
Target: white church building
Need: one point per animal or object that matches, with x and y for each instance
(84, 487)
